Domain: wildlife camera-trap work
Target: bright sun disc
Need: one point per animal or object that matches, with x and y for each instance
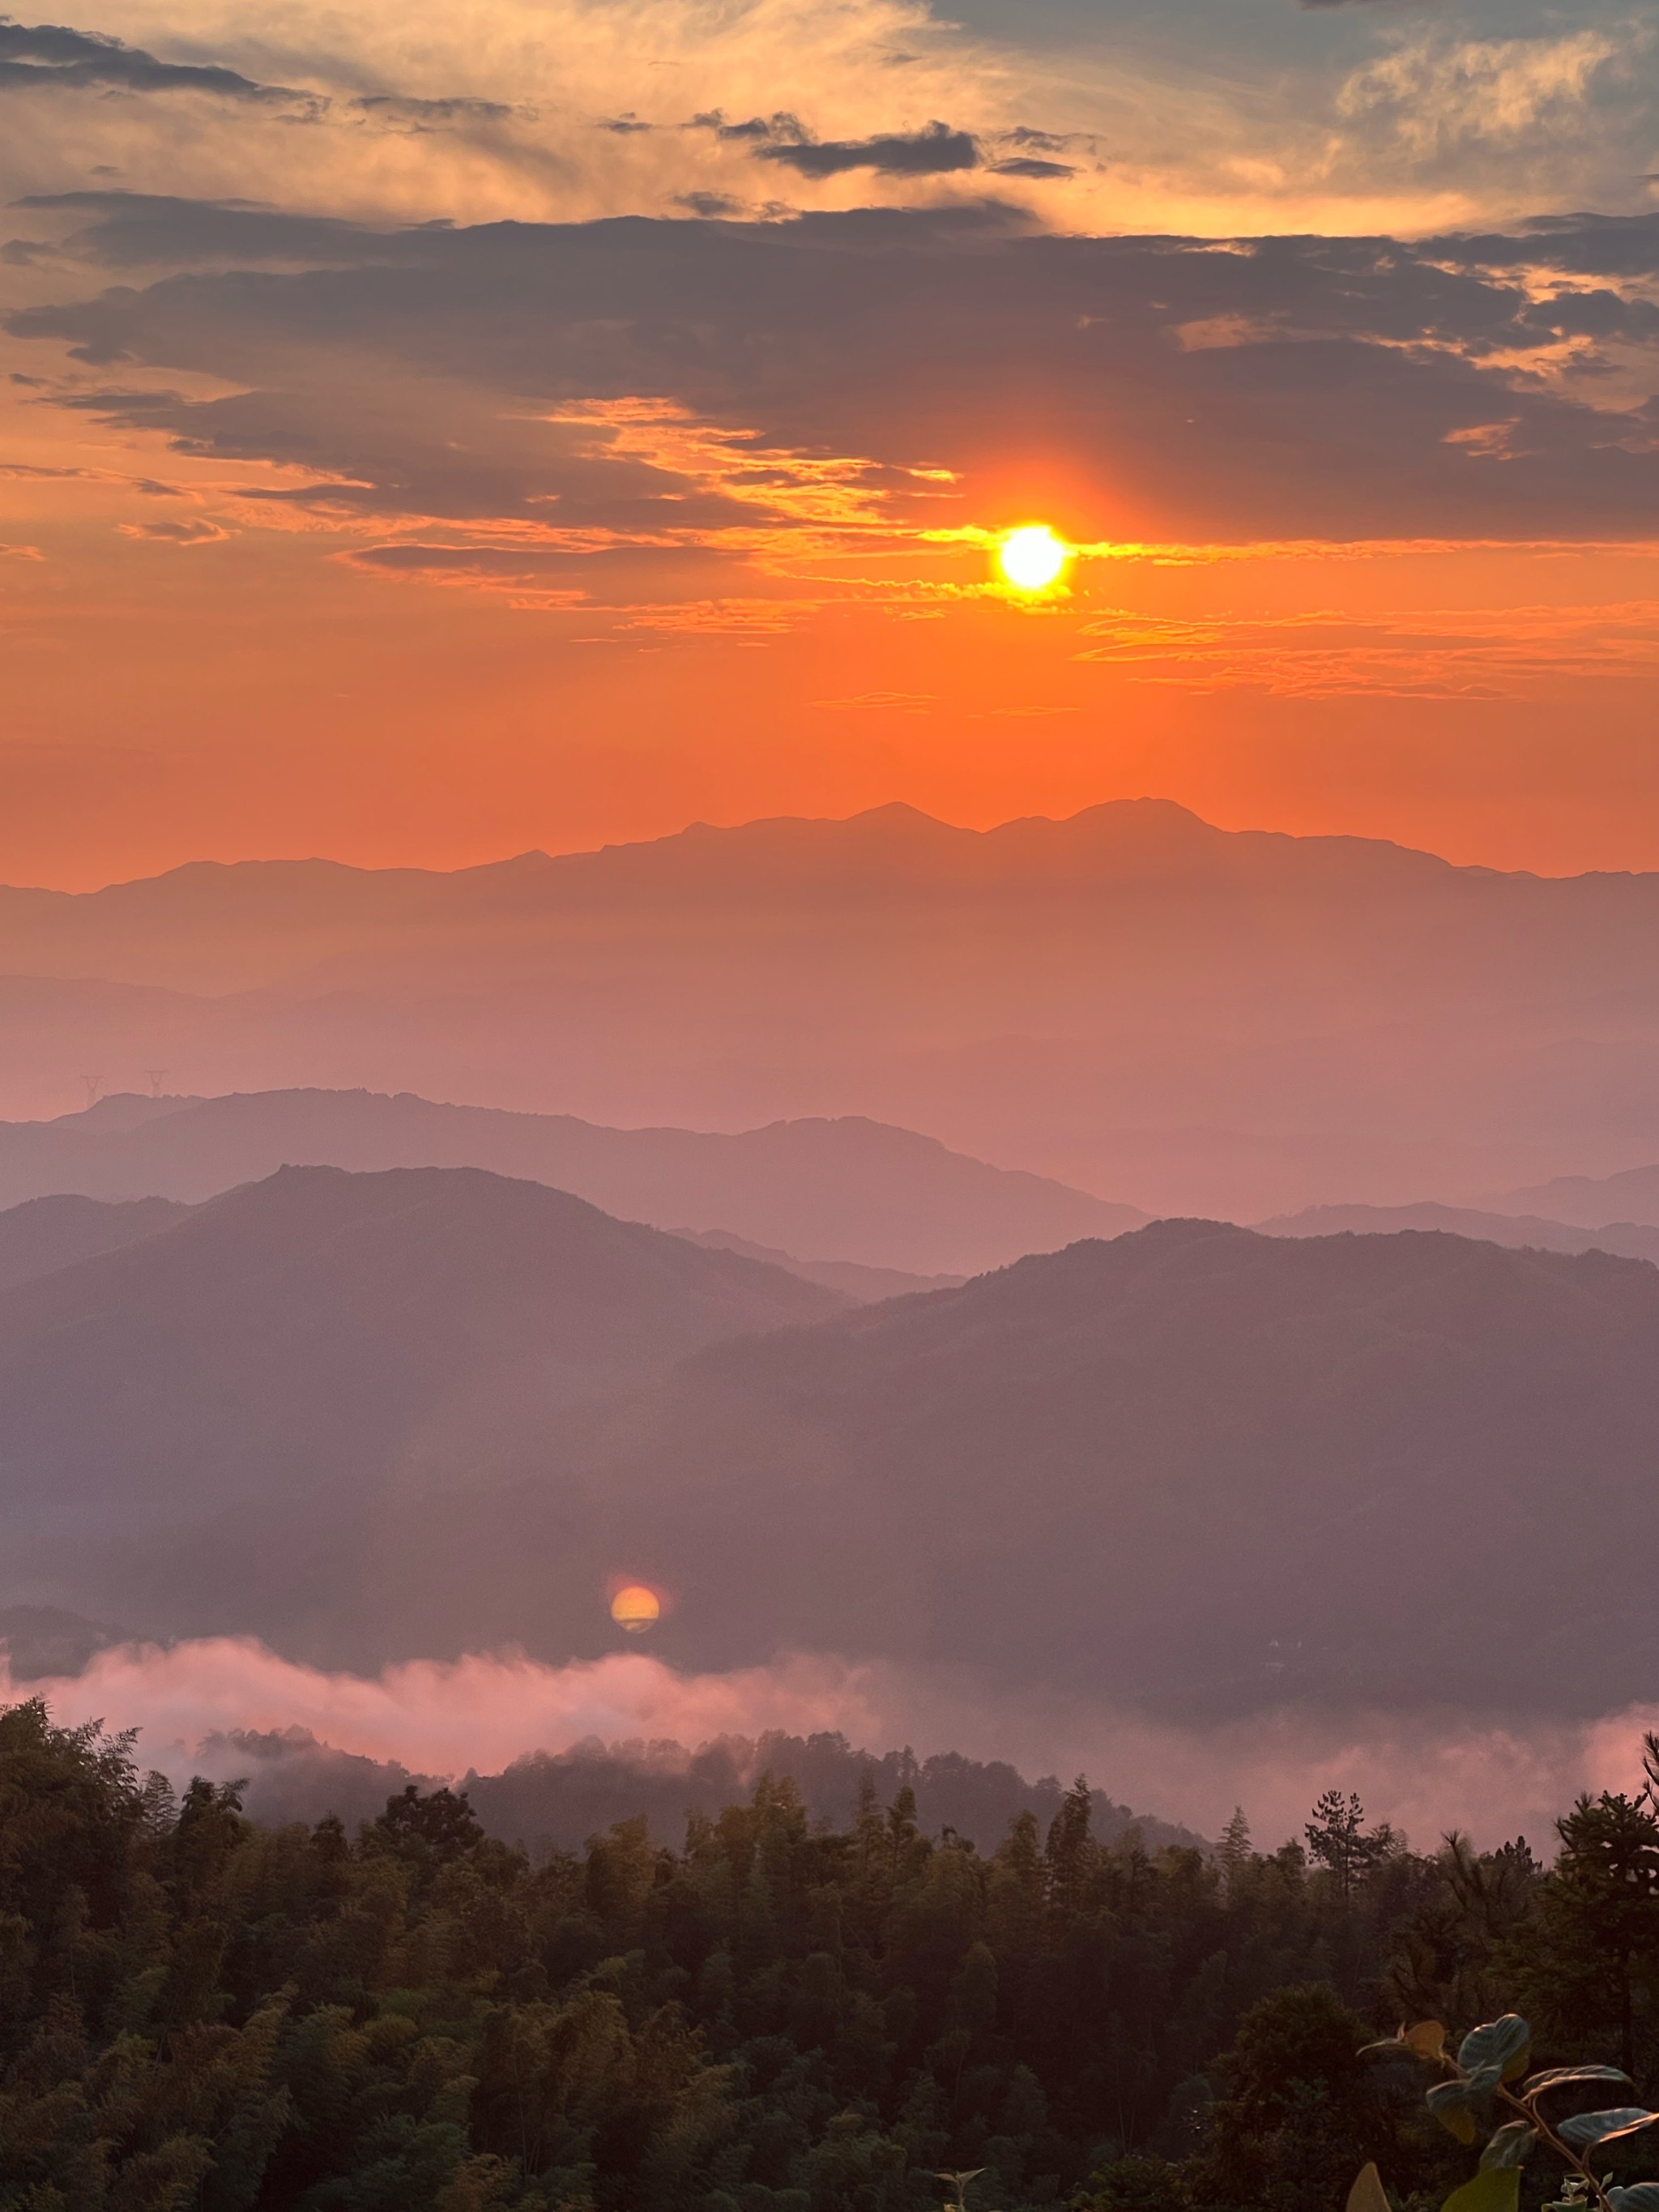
(1033, 557)
(635, 1608)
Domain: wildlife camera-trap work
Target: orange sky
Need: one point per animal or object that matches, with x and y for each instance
(324, 530)
(249, 697)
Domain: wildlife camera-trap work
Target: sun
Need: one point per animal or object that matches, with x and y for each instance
(1032, 557)
(635, 1608)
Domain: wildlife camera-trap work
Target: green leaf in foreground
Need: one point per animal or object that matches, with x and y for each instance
(1501, 2043)
(1449, 2103)
(1556, 2076)
(1509, 2147)
(1607, 2127)
(1637, 2196)
(1496, 2190)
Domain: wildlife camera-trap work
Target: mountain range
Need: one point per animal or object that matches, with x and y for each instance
(1194, 1470)
(848, 1191)
(1632, 1240)
(1631, 1196)
(208, 1406)
(45, 1234)
(1174, 1016)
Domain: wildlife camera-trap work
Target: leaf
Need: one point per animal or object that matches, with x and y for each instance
(1449, 2103)
(1498, 2190)
(1607, 2127)
(1509, 2147)
(1368, 2194)
(1426, 2040)
(1501, 2043)
(1557, 2074)
(1639, 2197)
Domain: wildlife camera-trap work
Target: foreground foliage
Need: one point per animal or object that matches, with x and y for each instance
(196, 2012)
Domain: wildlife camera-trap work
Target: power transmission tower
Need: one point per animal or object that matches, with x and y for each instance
(156, 1075)
(94, 1085)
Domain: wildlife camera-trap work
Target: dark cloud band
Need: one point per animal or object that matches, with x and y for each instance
(1268, 388)
(935, 152)
(35, 57)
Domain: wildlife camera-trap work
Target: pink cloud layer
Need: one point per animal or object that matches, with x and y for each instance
(1427, 1774)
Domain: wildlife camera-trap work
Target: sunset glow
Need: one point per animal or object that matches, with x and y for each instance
(856, 799)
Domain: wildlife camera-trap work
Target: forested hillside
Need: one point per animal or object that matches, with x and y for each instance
(772, 2018)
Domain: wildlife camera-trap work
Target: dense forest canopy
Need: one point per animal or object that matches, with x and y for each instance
(775, 2017)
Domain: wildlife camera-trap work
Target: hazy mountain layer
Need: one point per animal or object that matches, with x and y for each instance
(44, 1234)
(1630, 1239)
(849, 1190)
(191, 1422)
(1134, 1001)
(1631, 1197)
(865, 1285)
(1195, 1470)
(1075, 882)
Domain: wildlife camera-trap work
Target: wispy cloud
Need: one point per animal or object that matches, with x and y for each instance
(443, 1716)
(1430, 653)
(1439, 94)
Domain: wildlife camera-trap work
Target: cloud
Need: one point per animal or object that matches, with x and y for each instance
(1027, 165)
(1439, 94)
(936, 151)
(398, 109)
(198, 531)
(45, 56)
(1427, 1774)
(444, 1717)
(712, 206)
(892, 702)
(1431, 654)
(1205, 124)
(759, 130)
(770, 393)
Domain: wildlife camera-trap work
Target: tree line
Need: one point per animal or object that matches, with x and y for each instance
(197, 2011)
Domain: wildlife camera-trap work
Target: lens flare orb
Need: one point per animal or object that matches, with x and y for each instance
(635, 1608)
(1032, 558)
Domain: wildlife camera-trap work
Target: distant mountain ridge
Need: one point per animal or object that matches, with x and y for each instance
(866, 1285)
(1631, 1240)
(1134, 1002)
(42, 1235)
(849, 1190)
(271, 919)
(1630, 1196)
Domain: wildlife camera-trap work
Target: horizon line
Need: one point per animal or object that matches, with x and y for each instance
(1150, 801)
